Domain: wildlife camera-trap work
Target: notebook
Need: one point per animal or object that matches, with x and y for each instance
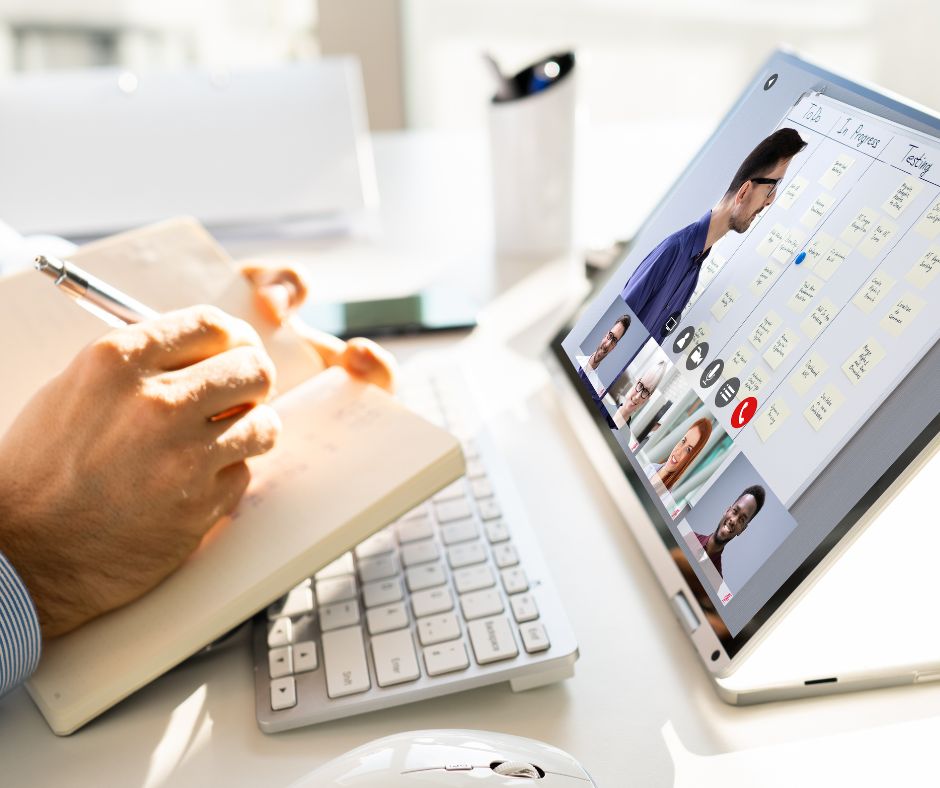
(301, 510)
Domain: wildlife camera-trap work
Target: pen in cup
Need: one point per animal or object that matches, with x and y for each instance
(105, 302)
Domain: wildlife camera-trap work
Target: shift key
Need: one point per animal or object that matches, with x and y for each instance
(344, 657)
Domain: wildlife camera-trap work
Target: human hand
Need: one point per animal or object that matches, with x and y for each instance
(278, 291)
(114, 471)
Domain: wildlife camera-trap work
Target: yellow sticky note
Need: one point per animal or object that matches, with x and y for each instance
(790, 245)
(876, 243)
(781, 348)
(860, 226)
(808, 373)
(832, 175)
(819, 318)
(738, 361)
(724, 303)
(754, 382)
(902, 313)
(925, 269)
(772, 240)
(929, 226)
(863, 361)
(824, 406)
(793, 190)
(907, 190)
(873, 291)
(765, 329)
(833, 259)
(817, 210)
(805, 293)
(765, 278)
(771, 418)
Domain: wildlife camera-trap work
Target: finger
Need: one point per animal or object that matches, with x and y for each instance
(178, 339)
(327, 346)
(254, 432)
(366, 360)
(277, 290)
(242, 376)
(230, 485)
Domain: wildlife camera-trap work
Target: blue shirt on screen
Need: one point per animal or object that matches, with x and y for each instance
(664, 282)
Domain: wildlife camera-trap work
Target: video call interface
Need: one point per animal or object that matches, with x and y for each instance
(736, 358)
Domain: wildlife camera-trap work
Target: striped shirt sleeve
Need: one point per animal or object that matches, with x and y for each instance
(20, 637)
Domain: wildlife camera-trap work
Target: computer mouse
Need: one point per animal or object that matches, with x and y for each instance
(450, 759)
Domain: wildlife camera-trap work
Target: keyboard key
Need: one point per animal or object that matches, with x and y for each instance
(419, 552)
(341, 566)
(514, 580)
(534, 637)
(305, 656)
(446, 658)
(382, 592)
(481, 603)
(453, 510)
(394, 658)
(280, 633)
(336, 589)
(344, 658)
(460, 531)
(489, 509)
(379, 567)
(280, 662)
(492, 640)
(420, 511)
(412, 530)
(466, 554)
(473, 578)
(524, 607)
(475, 469)
(481, 488)
(378, 543)
(283, 693)
(299, 600)
(387, 618)
(451, 492)
(505, 555)
(425, 576)
(496, 531)
(437, 629)
(470, 450)
(431, 601)
(342, 614)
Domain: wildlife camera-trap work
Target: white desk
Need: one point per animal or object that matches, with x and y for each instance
(195, 726)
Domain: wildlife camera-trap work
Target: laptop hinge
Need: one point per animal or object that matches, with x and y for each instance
(686, 614)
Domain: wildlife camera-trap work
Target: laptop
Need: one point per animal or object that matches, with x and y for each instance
(753, 392)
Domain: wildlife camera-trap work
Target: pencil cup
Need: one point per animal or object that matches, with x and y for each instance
(532, 159)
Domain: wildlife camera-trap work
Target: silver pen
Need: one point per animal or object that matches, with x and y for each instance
(89, 291)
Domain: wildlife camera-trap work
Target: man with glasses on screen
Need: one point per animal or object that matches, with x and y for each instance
(663, 283)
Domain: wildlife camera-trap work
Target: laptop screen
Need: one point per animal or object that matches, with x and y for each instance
(763, 362)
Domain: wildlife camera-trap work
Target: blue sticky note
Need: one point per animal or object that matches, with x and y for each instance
(800, 258)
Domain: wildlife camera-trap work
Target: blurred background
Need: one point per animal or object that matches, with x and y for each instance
(421, 58)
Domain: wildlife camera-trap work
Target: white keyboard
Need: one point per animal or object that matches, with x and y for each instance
(452, 596)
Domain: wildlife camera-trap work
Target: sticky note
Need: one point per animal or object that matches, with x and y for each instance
(863, 361)
(791, 244)
(817, 210)
(738, 361)
(808, 373)
(925, 269)
(860, 227)
(805, 293)
(772, 240)
(765, 278)
(765, 329)
(754, 382)
(876, 243)
(929, 226)
(873, 291)
(781, 348)
(793, 190)
(824, 406)
(833, 259)
(832, 175)
(819, 318)
(902, 313)
(816, 251)
(725, 302)
(712, 265)
(907, 190)
(771, 418)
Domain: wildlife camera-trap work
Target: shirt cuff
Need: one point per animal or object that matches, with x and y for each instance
(20, 636)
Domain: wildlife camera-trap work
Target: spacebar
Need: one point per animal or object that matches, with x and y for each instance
(344, 658)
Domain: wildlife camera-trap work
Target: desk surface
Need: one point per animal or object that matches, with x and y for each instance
(195, 726)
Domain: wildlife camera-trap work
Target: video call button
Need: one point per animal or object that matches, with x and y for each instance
(682, 341)
(712, 373)
(671, 324)
(743, 412)
(727, 392)
(697, 356)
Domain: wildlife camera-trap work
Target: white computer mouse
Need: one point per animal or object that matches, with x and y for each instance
(450, 759)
